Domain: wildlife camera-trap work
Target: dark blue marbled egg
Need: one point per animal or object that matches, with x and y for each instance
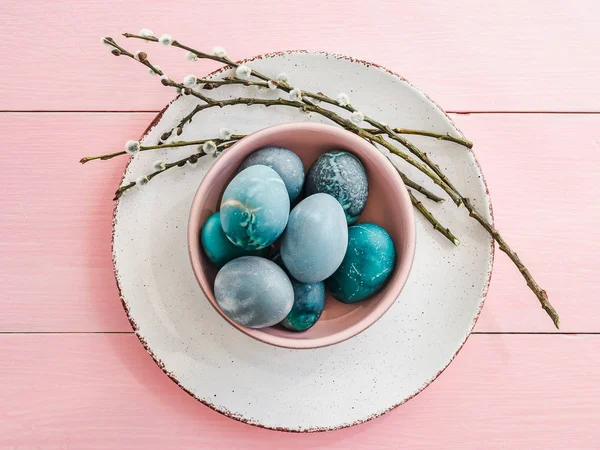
(254, 292)
(343, 176)
(309, 301)
(367, 265)
(255, 208)
(315, 240)
(217, 247)
(283, 161)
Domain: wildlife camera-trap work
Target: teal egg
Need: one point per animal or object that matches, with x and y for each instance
(309, 301)
(367, 265)
(217, 247)
(255, 208)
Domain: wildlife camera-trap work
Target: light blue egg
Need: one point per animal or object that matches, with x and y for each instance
(283, 161)
(217, 247)
(255, 208)
(343, 176)
(254, 292)
(315, 240)
(368, 264)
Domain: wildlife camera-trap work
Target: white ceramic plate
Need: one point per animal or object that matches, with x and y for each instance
(301, 390)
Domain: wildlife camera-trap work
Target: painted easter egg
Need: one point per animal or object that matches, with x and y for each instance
(255, 208)
(341, 175)
(283, 161)
(309, 301)
(315, 240)
(254, 292)
(217, 247)
(367, 265)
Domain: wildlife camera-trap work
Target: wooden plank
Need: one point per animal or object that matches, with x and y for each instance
(503, 55)
(103, 391)
(55, 222)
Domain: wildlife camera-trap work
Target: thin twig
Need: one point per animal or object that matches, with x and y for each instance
(417, 187)
(193, 158)
(432, 220)
(537, 290)
(143, 148)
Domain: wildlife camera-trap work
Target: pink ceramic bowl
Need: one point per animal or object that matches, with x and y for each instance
(388, 205)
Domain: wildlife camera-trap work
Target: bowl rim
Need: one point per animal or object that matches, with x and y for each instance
(359, 145)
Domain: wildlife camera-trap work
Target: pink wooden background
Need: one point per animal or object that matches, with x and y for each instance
(522, 81)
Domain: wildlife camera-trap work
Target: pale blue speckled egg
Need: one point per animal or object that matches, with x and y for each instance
(315, 240)
(254, 292)
(343, 176)
(283, 161)
(255, 208)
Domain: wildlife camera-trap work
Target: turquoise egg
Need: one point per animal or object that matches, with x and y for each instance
(315, 240)
(343, 176)
(254, 292)
(255, 208)
(283, 161)
(368, 264)
(217, 247)
(309, 301)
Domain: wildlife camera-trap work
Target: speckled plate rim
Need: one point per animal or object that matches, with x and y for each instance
(236, 416)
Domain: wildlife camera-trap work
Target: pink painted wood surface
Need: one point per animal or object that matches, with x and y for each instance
(500, 55)
(56, 217)
(104, 392)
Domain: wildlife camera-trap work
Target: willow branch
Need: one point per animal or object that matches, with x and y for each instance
(417, 187)
(540, 293)
(429, 168)
(193, 158)
(143, 148)
(432, 220)
(227, 81)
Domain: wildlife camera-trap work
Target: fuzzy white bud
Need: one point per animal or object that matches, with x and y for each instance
(343, 99)
(283, 77)
(357, 117)
(190, 56)
(220, 52)
(142, 181)
(145, 32)
(243, 72)
(164, 78)
(160, 165)
(189, 81)
(272, 85)
(209, 147)
(138, 54)
(132, 147)
(165, 39)
(225, 134)
(152, 72)
(296, 95)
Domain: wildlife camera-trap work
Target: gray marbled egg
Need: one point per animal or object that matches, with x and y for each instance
(254, 292)
(343, 176)
(315, 240)
(283, 161)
